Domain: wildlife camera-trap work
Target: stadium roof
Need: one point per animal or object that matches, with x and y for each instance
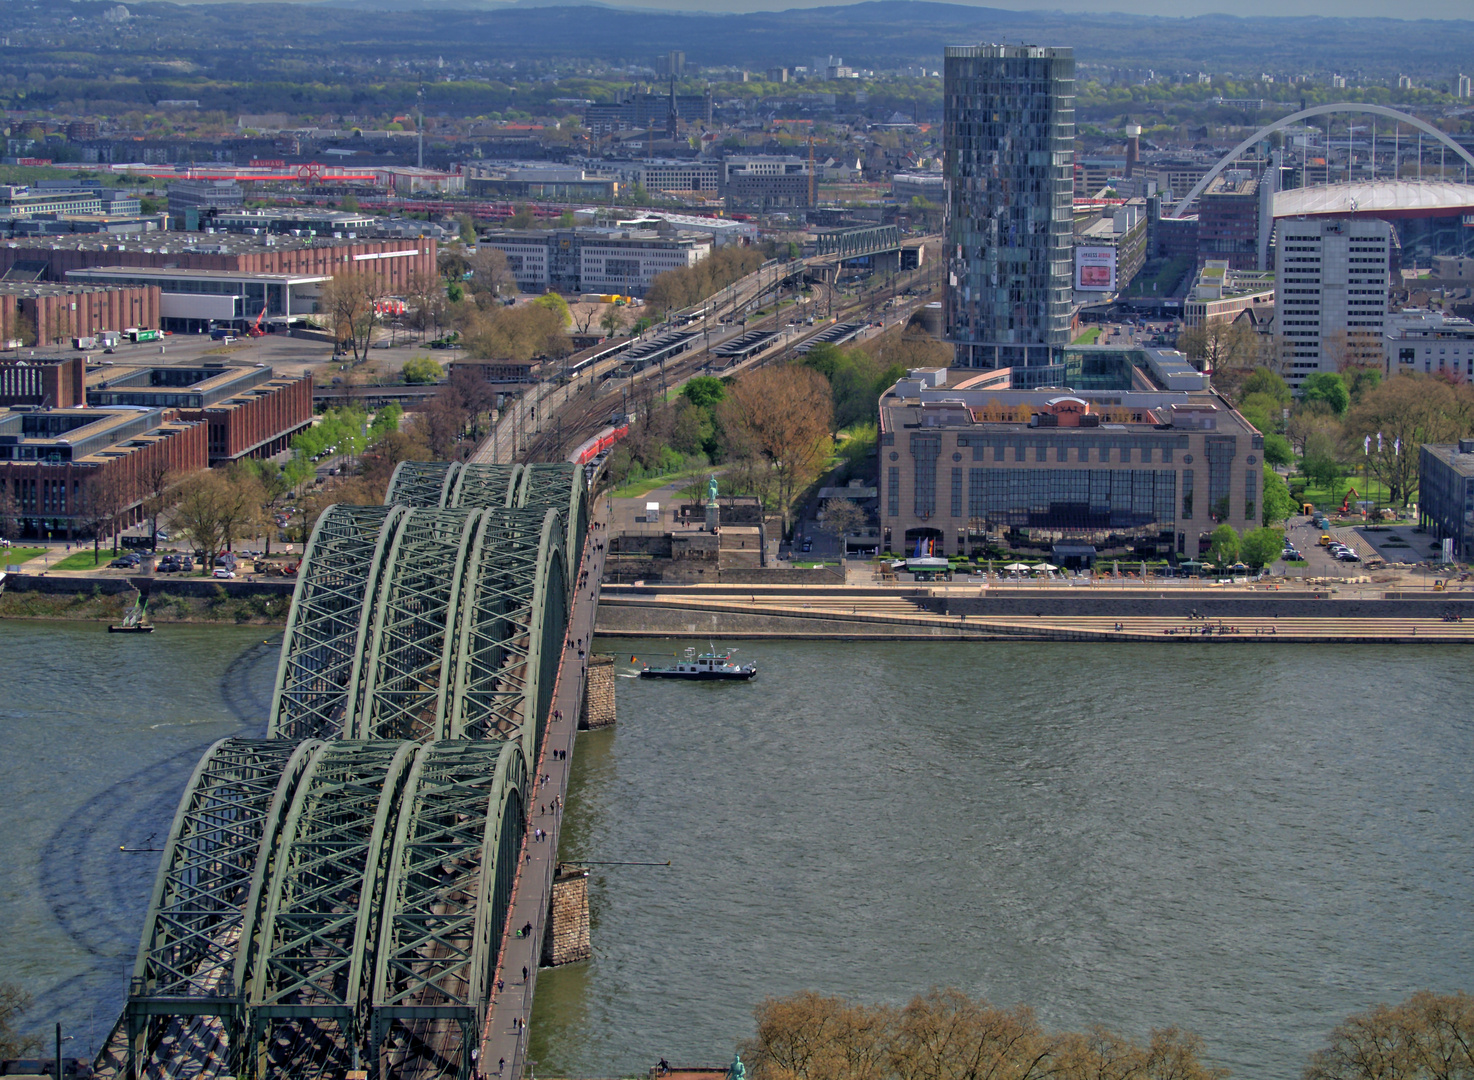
(1384, 198)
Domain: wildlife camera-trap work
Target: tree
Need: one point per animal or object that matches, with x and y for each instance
(1265, 381)
(1324, 471)
(13, 1002)
(843, 516)
(1223, 545)
(1278, 503)
(348, 302)
(704, 391)
(1427, 1037)
(781, 415)
(490, 272)
(556, 304)
(612, 320)
(421, 369)
(1329, 387)
(1220, 346)
(10, 520)
(1392, 420)
(1260, 547)
(201, 508)
(1277, 450)
(946, 1035)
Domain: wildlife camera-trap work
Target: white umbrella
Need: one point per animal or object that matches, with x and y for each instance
(1017, 566)
(1046, 566)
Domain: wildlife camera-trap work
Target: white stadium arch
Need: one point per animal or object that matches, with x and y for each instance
(1305, 114)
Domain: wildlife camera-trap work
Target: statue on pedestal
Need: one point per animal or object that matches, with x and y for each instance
(737, 1070)
(713, 515)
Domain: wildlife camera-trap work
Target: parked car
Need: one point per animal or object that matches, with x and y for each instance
(126, 562)
(224, 572)
(1348, 555)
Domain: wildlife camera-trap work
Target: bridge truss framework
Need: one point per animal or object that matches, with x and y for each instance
(332, 897)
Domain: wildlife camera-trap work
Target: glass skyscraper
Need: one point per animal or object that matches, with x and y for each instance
(1009, 137)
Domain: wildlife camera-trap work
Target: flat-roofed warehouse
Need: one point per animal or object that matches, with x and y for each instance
(57, 312)
(396, 263)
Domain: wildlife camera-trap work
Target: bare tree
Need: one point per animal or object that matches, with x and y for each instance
(1427, 1037)
(843, 516)
(13, 1002)
(782, 415)
(201, 510)
(349, 303)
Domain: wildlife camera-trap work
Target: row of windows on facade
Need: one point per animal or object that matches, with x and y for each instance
(1084, 498)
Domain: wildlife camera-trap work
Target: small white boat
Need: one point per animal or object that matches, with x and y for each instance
(707, 666)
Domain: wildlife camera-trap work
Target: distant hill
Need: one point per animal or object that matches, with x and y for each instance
(878, 33)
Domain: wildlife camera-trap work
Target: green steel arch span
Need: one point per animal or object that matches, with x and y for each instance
(449, 889)
(305, 996)
(321, 650)
(514, 616)
(421, 483)
(184, 997)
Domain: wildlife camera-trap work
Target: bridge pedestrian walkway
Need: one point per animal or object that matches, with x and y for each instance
(503, 1051)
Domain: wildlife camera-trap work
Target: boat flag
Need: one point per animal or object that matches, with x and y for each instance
(634, 660)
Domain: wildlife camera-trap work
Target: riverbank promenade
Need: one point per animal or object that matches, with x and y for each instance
(1259, 612)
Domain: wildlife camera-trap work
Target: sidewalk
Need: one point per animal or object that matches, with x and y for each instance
(504, 1034)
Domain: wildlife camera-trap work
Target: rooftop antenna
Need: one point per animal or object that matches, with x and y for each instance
(420, 125)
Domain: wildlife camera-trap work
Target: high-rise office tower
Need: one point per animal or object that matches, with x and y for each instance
(1331, 278)
(1009, 139)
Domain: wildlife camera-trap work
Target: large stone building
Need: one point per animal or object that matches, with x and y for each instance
(1428, 342)
(766, 182)
(1008, 135)
(1140, 472)
(1331, 279)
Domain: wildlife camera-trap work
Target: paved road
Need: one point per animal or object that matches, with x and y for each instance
(504, 1034)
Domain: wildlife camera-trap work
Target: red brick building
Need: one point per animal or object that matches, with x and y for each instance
(395, 262)
(70, 472)
(56, 313)
(58, 384)
(247, 411)
(259, 422)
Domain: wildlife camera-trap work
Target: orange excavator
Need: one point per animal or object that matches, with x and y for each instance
(256, 330)
(1346, 502)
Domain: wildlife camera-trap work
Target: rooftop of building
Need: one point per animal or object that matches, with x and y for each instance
(54, 288)
(926, 398)
(1458, 456)
(180, 243)
(1411, 198)
(1422, 322)
(82, 436)
(165, 273)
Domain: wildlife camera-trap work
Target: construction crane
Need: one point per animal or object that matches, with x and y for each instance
(256, 330)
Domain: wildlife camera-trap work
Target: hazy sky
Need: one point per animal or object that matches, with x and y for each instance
(1418, 9)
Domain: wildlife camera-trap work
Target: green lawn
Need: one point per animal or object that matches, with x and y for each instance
(18, 555)
(1088, 338)
(82, 560)
(643, 487)
(1322, 498)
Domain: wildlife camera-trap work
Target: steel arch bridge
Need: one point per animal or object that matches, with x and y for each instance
(332, 897)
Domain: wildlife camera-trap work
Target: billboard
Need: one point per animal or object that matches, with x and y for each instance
(1095, 269)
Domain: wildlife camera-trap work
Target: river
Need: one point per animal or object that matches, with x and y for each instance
(1247, 841)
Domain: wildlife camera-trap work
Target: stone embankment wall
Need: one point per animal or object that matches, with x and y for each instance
(1222, 606)
(56, 585)
(598, 694)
